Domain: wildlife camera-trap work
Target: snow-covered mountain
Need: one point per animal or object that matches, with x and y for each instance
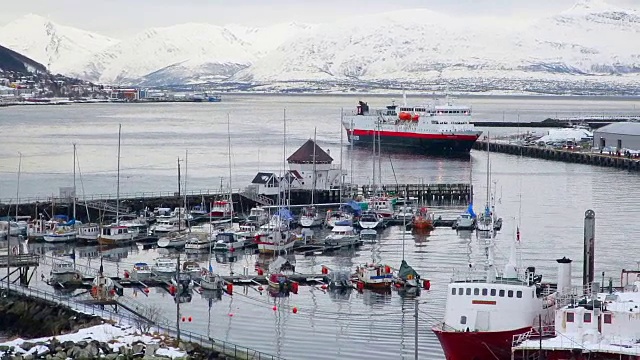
(590, 39)
(48, 43)
(589, 45)
(170, 55)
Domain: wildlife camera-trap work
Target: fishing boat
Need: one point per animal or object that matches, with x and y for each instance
(342, 236)
(275, 241)
(370, 220)
(374, 276)
(437, 128)
(221, 209)
(423, 220)
(404, 209)
(183, 286)
(383, 206)
(465, 221)
(590, 323)
(63, 273)
(115, 235)
(278, 277)
(141, 271)
(164, 266)
(407, 276)
(485, 308)
(102, 287)
(310, 217)
(275, 224)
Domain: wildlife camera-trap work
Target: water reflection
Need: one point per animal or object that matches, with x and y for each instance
(376, 297)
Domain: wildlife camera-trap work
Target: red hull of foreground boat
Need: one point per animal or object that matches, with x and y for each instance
(477, 345)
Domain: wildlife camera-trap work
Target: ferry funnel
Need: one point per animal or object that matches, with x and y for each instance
(564, 275)
(589, 247)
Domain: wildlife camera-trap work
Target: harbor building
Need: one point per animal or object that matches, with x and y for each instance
(618, 136)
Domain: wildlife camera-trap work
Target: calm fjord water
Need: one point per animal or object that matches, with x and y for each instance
(547, 198)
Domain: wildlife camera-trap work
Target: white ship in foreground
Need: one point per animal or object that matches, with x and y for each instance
(426, 129)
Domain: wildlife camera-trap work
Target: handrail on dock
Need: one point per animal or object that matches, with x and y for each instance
(221, 346)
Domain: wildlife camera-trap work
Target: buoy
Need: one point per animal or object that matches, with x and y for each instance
(183, 319)
(126, 274)
(230, 315)
(295, 310)
(275, 308)
(323, 287)
(172, 290)
(260, 288)
(387, 269)
(260, 272)
(146, 290)
(426, 284)
(325, 270)
(190, 319)
(398, 285)
(294, 287)
(360, 285)
(230, 288)
(112, 292)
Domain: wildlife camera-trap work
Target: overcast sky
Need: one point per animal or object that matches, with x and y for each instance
(121, 17)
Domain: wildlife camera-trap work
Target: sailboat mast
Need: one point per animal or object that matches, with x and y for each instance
(186, 168)
(179, 211)
(118, 176)
(229, 155)
(74, 187)
(351, 153)
(313, 191)
(341, 146)
(284, 147)
(379, 157)
(18, 187)
(373, 163)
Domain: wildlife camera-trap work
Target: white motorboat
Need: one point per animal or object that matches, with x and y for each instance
(141, 272)
(173, 240)
(375, 276)
(63, 272)
(193, 269)
(404, 212)
(212, 281)
(310, 217)
(258, 216)
(382, 206)
(275, 224)
(168, 225)
(465, 221)
(164, 266)
(115, 235)
(88, 232)
(370, 220)
(137, 227)
(341, 236)
(230, 241)
(10, 227)
(199, 241)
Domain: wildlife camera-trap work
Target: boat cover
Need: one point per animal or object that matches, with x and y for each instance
(406, 270)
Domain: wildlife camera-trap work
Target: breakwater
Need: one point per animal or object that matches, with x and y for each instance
(564, 155)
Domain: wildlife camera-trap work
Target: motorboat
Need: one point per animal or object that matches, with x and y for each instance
(230, 241)
(258, 216)
(275, 224)
(212, 281)
(11, 228)
(193, 269)
(310, 217)
(340, 279)
(102, 288)
(341, 236)
(404, 210)
(164, 266)
(370, 220)
(275, 241)
(374, 276)
(61, 233)
(141, 271)
(137, 227)
(465, 221)
(338, 217)
(382, 206)
(221, 209)
(115, 235)
(199, 241)
(279, 271)
(63, 273)
(88, 232)
(423, 220)
(168, 225)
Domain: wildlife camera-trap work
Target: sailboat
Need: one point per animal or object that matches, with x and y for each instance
(488, 221)
(63, 232)
(115, 234)
(310, 216)
(175, 239)
(211, 280)
(342, 217)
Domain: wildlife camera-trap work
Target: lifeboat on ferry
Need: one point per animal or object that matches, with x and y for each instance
(404, 116)
(415, 117)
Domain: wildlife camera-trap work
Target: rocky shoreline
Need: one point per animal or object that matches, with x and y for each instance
(44, 330)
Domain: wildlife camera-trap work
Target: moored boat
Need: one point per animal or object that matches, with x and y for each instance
(63, 273)
(374, 276)
(342, 236)
(141, 272)
(310, 217)
(422, 220)
(164, 266)
(370, 220)
(115, 235)
(173, 240)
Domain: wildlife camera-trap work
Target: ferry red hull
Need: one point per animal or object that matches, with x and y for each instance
(416, 142)
(477, 345)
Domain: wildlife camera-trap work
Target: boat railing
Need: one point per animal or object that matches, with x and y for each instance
(129, 318)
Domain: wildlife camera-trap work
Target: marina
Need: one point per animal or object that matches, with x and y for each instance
(288, 319)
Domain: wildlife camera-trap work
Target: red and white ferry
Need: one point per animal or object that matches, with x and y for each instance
(486, 308)
(592, 324)
(437, 128)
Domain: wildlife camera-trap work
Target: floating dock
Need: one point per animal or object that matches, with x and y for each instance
(564, 155)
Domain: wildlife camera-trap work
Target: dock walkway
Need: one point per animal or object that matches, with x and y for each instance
(564, 155)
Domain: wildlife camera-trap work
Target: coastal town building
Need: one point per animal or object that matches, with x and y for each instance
(620, 136)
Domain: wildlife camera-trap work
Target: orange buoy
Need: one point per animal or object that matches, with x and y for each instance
(126, 274)
(325, 270)
(426, 284)
(275, 308)
(360, 285)
(260, 288)
(324, 287)
(295, 310)
(172, 290)
(230, 288)
(112, 292)
(190, 319)
(146, 290)
(387, 269)
(294, 287)
(183, 319)
(260, 272)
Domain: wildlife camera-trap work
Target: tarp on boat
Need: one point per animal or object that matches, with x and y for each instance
(353, 207)
(470, 210)
(285, 214)
(407, 272)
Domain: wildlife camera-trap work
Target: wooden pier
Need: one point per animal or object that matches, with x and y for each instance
(19, 260)
(564, 155)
